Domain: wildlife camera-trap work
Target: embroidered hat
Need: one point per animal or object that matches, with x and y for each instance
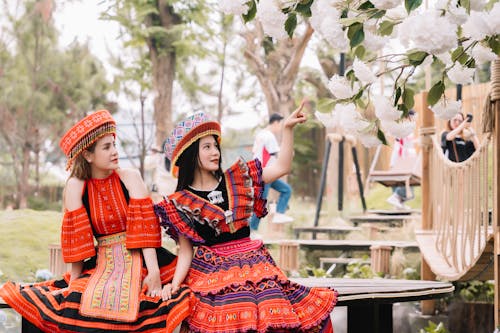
(185, 133)
(85, 133)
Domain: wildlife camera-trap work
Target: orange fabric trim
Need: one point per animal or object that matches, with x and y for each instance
(77, 241)
(143, 227)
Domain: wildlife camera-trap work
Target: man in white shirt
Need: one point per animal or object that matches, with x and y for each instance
(266, 148)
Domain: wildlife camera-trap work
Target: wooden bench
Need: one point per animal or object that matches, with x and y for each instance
(380, 251)
(339, 231)
(24, 322)
(369, 301)
(391, 220)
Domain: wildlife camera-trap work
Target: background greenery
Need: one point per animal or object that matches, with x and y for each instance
(26, 235)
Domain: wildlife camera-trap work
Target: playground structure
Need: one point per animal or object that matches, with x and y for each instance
(459, 239)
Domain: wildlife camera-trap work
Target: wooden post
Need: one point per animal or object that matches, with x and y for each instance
(427, 129)
(495, 99)
(57, 266)
(380, 258)
(289, 256)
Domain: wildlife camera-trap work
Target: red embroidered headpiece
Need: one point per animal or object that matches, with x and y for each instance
(186, 133)
(85, 133)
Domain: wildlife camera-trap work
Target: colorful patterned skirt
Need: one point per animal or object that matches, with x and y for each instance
(240, 289)
(107, 297)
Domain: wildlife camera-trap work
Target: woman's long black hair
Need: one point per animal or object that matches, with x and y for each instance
(188, 164)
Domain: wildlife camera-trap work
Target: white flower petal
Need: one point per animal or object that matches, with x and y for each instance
(272, 19)
(236, 7)
(428, 31)
(363, 72)
(399, 129)
(446, 109)
(341, 88)
(482, 54)
(459, 74)
(384, 109)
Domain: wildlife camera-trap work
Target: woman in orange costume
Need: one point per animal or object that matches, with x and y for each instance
(238, 285)
(117, 286)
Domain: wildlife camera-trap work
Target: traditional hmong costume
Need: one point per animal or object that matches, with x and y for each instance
(108, 296)
(237, 283)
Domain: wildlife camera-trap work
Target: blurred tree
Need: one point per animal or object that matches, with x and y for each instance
(42, 90)
(161, 35)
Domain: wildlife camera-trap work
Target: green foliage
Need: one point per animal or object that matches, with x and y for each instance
(313, 271)
(433, 328)
(26, 235)
(356, 34)
(417, 57)
(358, 270)
(252, 11)
(386, 28)
(435, 93)
(291, 23)
(42, 89)
(476, 291)
(41, 203)
(412, 5)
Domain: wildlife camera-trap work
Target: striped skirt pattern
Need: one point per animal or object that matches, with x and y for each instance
(53, 306)
(240, 289)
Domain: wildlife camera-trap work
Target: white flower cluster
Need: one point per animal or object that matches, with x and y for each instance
(272, 19)
(363, 72)
(459, 74)
(385, 4)
(481, 24)
(428, 31)
(325, 20)
(235, 7)
(446, 109)
(445, 33)
(341, 88)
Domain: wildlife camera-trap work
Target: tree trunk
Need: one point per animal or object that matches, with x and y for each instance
(276, 69)
(163, 57)
(163, 79)
(23, 183)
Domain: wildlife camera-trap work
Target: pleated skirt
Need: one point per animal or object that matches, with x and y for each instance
(240, 289)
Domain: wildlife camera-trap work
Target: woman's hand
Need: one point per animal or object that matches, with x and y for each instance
(169, 290)
(153, 281)
(296, 117)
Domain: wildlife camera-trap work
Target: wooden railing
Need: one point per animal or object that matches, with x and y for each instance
(461, 203)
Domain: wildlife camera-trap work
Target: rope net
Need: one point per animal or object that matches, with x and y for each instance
(461, 202)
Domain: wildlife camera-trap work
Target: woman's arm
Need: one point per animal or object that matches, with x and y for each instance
(474, 139)
(451, 135)
(152, 280)
(283, 163)
(72, 195)
(183, 264)
(137, 189)
(76, 270)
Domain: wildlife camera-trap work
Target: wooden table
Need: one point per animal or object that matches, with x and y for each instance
(344, 245)
(330, 230)
(369, 301)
